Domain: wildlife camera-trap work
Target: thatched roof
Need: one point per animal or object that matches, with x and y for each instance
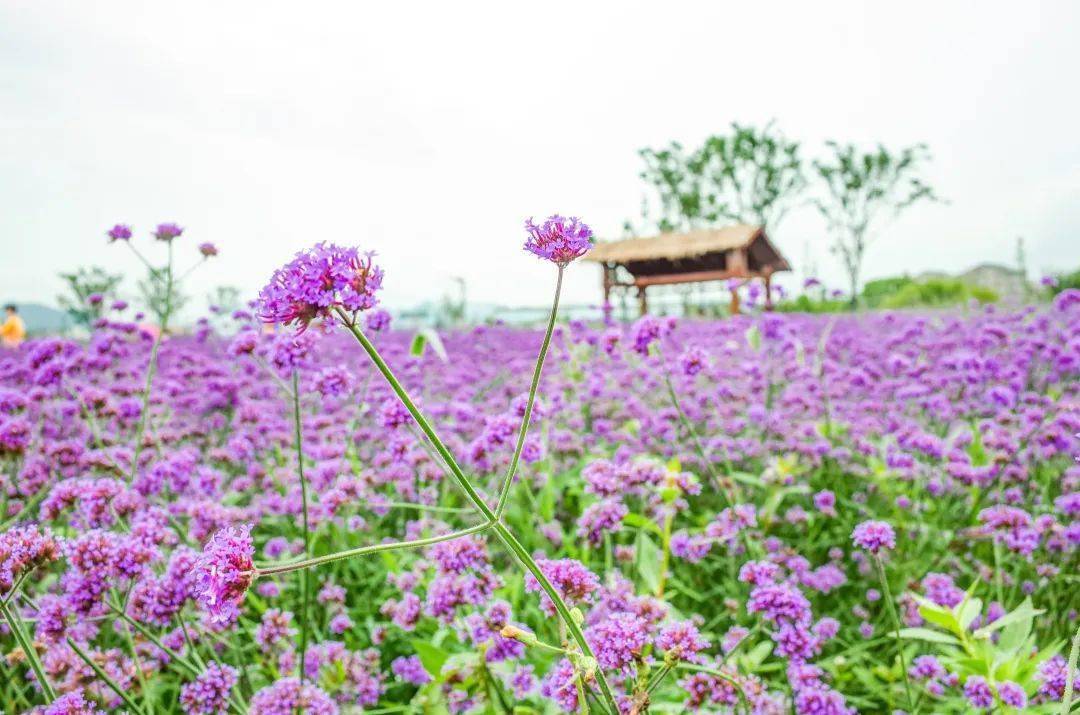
(675, 246)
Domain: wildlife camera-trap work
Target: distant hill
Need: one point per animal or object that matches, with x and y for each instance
(42, 319)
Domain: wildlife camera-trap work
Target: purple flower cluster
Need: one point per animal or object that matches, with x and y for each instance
(874, 536)
(225, 571)
(558, 239)
(209, 693)
(318, 281)
(23, 549)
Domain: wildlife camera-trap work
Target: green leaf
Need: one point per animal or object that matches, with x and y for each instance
(938, 616)
(753, 337)
(1013, 637)
(1074, 656)
(425, 337)
(648, 561)
(431, 657)
(925, 634)
(416, 347)
(1025, 611)
(639, 521)
(967, 611)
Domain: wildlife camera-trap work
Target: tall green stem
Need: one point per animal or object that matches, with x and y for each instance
(503, 533)
(425, 426)
(104, 676)
(27, 646)
(896, 626)
(508, 481)
(1070, 674)
(151, 367)
(576, 633)
(730, 494)
(365, 550)
(305, 577)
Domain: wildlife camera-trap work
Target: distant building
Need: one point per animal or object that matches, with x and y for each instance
(1010, 284)
(739, 252)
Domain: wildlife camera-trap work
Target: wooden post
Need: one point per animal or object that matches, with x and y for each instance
(735, 301)
(643, 303)
(768, 289)
(606, 277)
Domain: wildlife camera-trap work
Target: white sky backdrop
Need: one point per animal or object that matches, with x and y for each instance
(428, 132)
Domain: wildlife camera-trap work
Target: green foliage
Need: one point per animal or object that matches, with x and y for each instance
(806, 304)
(1003, 650)
(161, 296)
(1065, 281)
(749, 175)
(858, 188)
(875, 292)
(936, 292)
(82, 284)
(224, 299)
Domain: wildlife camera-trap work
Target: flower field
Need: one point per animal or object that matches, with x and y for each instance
(774, 513)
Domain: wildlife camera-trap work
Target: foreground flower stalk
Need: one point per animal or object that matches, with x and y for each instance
(896, 626)
(120, 692)
(151, 366)
(305, 576)
(289, 567)
(508, 482)
(501, 531)
(27, 646)
(727, 488)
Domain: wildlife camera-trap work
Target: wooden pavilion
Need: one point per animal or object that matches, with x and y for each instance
(737, 251)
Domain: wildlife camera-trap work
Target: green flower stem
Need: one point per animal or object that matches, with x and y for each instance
(428, 507)
(101, 674)
(425, 427)
(365, 550)
(654, 683)
(305, 576)
(730, 493)
(576, 633)
(583, 703)
(1070, 675)
(174, 657)
(14, 589)
(504, 534)
(896, 625)
(508, 481)
(716, 674)
(665, 552)
(138, 664)
(27, 646)
(151, 367)
(27, 507)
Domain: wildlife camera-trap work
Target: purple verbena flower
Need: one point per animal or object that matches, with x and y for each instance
(119, 232)
(558, 239)
(209, 693)
(167, 231)
(318, 281)
(225, 571)
(874, 536)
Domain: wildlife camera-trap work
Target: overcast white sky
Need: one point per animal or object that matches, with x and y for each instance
(429, 132)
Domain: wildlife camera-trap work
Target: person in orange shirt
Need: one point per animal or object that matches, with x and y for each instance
(12, 331)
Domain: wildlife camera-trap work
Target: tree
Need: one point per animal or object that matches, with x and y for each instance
(858, 188)
(90, 291)
(748, 176)
(161, 295)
